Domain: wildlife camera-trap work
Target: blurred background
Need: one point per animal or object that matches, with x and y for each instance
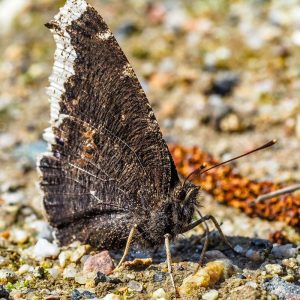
(222, 75)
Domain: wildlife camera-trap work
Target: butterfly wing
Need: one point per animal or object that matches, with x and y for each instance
(107, 157)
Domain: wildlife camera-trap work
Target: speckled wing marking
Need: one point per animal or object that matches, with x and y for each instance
(107, 159)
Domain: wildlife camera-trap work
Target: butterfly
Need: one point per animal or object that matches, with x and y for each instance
(108, 178)
(108, 168)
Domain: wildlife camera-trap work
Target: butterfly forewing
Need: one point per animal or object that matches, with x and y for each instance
(108, 159)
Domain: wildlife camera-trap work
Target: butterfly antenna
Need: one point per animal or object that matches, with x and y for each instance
(201, 170)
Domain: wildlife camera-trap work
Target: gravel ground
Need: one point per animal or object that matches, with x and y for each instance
(223, 75)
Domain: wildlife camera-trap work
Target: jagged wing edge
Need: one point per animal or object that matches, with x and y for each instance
(64, 58)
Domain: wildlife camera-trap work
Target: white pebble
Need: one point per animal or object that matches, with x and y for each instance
(78, 253)
(25, 269)
(63, 257)
(42, 228)
(70, 271)
(210, 295)
(252, 284)
(54, 272)
(43, 249)
(111, 297)
(3, 261)
(19, 236)
(81, 279)
(159, 294)
(296, 37)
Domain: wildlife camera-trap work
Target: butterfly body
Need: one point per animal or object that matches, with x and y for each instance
(108, 167)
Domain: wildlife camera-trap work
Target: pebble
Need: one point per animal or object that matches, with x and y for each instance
(224, 84)
(111, 297)
(3, 292)
(42, 228)
(210, 295)
(207, 276)
(63, 257)
(239, 249)
(70, 271)
(255, 255)
(3, 261)
(43, 249)
(25, 269)
(252, 284)
(52, 297)
(100, 262)
(159, 276)
(13, 198)
(77, 295)
(19, 236)
(214, 255)
(135, 286)
(7, 275)
(274, 268)
(281, 288)
(297, 129)
(100, 277)
(159, 294)
(54, 272)
(284, 251)
(290, 262)
(78, 253)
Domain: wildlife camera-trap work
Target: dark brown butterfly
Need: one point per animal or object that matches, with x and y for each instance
(108, 167)
(109, 172)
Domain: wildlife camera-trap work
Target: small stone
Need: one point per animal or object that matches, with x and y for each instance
(100, 277)
(63, 257)
(159, 276)
(43, 249)
(52, 297)
(254, 255)
(54, 272)
(3, 261)
(212, 273)
(70, 271)
(7, 275)
(289, 278)
(78, 253)
(239, 249)
(214, 255)
(210, 295)
(274, 268)
(281, 288)
(3, 292)
(135, 286)
(252, 284)
(290, 262)
(75, 295)
(25, 269)
(81, 279)
(284, 251)
(159, 294)
(100, 262)
(297, 129)
(111, 297)
(19, 236)
(42, 228)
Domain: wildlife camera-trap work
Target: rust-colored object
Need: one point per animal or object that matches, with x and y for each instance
(229, 187)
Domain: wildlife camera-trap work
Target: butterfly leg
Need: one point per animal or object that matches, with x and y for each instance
(203, 219)
(127, 247)
(169, 261)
